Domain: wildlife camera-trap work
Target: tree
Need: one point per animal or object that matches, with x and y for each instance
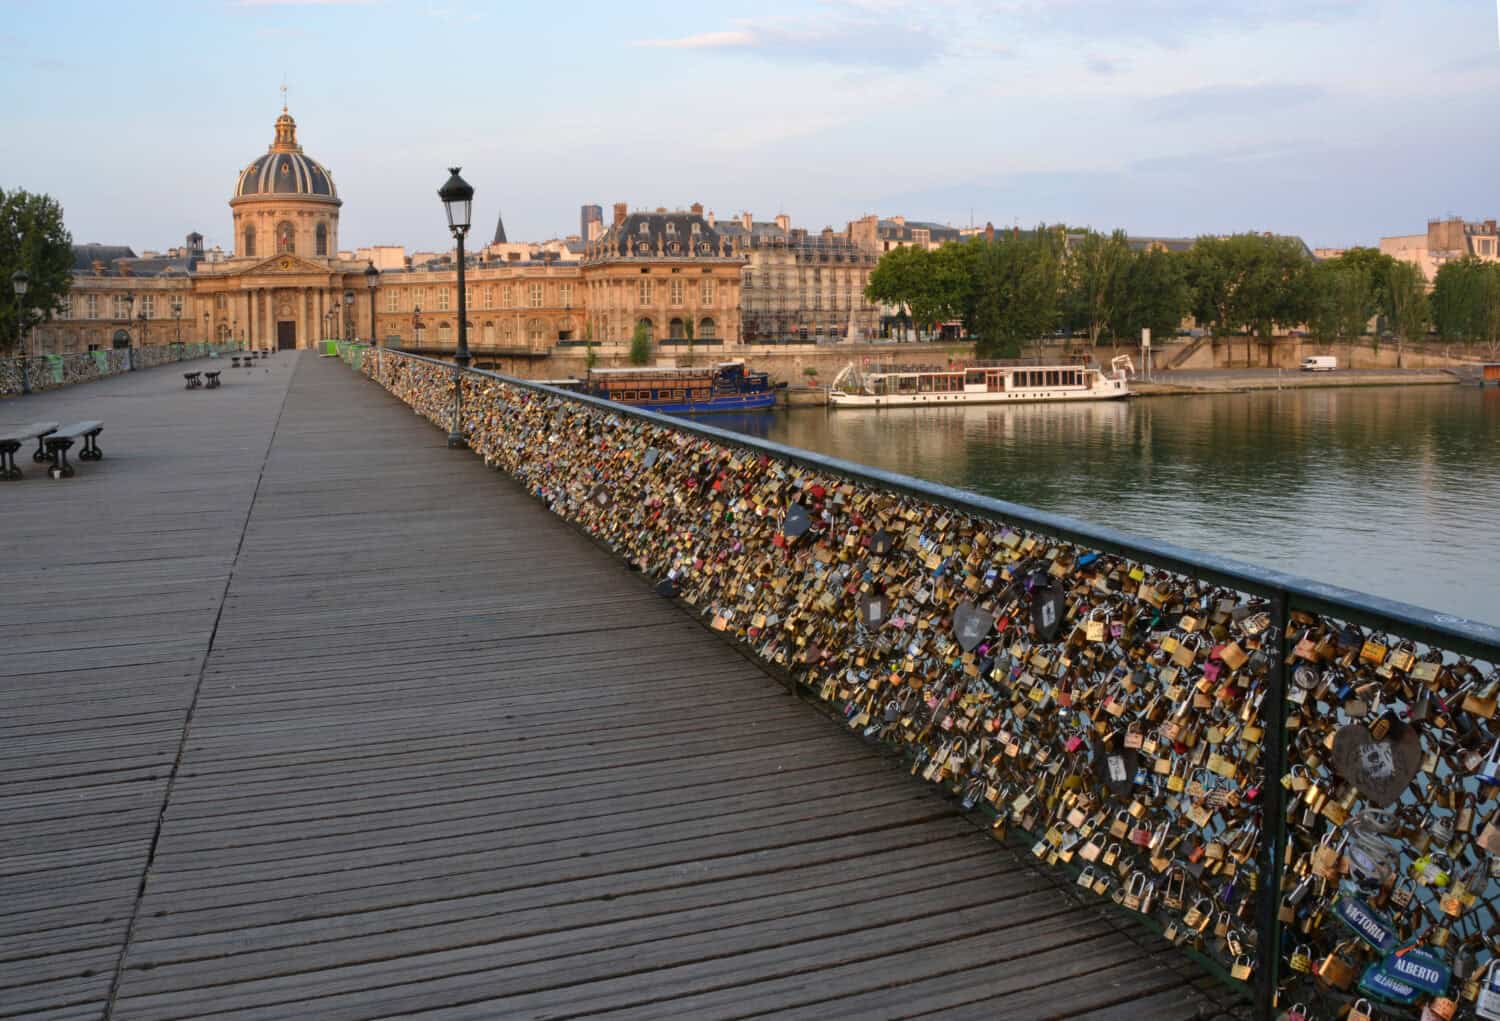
(640, 344)
(1153, 294)
(1251, 282)
(34, 240)
(1340, 302)
(1096, 268)
(687, 333)
(900, 279)
(1459, 300)
(1406, 291)
(1017, 291)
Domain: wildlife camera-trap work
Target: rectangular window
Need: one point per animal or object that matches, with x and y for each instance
(489, 297)
(122, 309)
(534, 295)
(392, 301)
(708, 294)
(443, 298)
(676, 290)
(506, 299)
(91, 306)
(565, 295)
(148, 306)
(645, 293)
(418, 297)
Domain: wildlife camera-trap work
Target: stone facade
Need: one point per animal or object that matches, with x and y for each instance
(1445, 240)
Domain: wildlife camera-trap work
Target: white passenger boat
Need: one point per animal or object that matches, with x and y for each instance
(898, 386)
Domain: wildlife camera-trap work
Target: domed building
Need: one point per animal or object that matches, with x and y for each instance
(285, 202)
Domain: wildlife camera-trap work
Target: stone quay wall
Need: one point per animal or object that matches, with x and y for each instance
(1106, 697)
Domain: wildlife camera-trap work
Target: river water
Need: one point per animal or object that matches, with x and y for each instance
(1393, 491)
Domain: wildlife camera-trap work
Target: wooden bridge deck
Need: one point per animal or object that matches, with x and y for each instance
(303, 715)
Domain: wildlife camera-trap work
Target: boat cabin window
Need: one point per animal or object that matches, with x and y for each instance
(906, 384)
(974, 377)
(995, 381)
(924, 384)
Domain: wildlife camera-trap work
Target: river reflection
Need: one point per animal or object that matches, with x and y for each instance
(1392, 491)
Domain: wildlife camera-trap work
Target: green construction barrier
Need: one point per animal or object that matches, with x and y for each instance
(55, 366)
(101, 361)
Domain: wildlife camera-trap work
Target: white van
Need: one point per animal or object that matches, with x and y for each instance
(1320, 363)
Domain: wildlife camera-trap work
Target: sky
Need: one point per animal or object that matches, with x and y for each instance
(1336, 120)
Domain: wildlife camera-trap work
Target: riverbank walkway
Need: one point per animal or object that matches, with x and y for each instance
(303, 715)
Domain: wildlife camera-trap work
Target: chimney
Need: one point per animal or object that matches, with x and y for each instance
(745, 220)
(620, 213)
(827, 233)
(696, 209)
(710, 218)
(97, 266)
(899, 221)
(783, 222)
(989, 231)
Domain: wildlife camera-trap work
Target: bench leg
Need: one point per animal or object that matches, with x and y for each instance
(91, 451)
(8, 469)
(41, 456)
(60, 468)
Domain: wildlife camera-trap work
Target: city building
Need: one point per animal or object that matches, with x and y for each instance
(1453, 238)
(671, 271)
(590, 222)
(286, 284)
(876, 235)
(801, 286)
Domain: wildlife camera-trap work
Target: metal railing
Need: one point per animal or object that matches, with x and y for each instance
(1253, 828)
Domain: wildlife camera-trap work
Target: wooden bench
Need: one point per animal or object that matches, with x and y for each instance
(234, 362)
(60, 441)
(193, 382)
(213, 379)
(11, 440)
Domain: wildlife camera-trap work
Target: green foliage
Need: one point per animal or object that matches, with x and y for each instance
(1340, 302)
(1466, 301)
(1096, 269)
(1405, 291)
(33, 239)
(1251, 282)
(640, 345)
(1018, 291)
(1153, 295)
(590, 357)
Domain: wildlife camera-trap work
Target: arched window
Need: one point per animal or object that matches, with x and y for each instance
(249, 240)
(321, 239)
(705, 329)
(489, 333)
(650, 328)
(565, 328)
(536, 330)
(675, 330)
(284, 238)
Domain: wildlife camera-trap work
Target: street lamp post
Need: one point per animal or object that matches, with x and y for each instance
(416, 326)
(348, 315)
(337, 318)
(177, 318)
(458, 200)
(372, 279)
(206, 336)
(20, 282)
(129, 338)
(234, 334)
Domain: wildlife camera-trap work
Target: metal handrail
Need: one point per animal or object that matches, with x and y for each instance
(1469, 637)
(1282, 592)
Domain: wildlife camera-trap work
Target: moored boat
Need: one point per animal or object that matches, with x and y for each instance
(725, 386)
(907, 386)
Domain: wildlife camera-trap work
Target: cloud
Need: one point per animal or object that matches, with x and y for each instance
(302, 3)
(1231, 100)
(1170, 22)
(856, 42)
(1106, 65)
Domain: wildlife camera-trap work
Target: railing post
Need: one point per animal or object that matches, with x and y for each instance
(1272, 819)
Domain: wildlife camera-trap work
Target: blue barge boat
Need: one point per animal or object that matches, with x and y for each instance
(725, 386)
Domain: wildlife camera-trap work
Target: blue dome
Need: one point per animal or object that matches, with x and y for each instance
(284, 170)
